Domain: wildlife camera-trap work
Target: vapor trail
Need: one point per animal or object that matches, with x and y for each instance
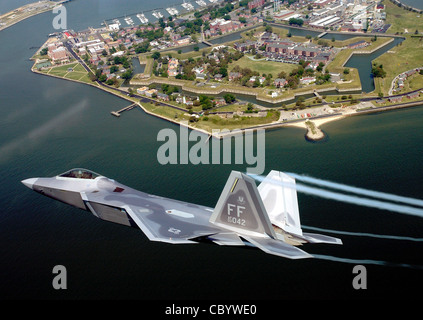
(345, 198)
(361, 191)
(363, 234)
(368, 261)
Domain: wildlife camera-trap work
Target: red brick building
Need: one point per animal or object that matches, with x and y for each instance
(255, 4)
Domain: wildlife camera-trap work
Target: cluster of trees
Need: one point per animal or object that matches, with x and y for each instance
(206, 102)
(115, 64)
(247, 73)
(216, 12)
(293, 78)
(148, 35)
(378, 71)
(296, 21)
(221, 67)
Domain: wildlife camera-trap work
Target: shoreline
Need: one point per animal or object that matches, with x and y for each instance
(23, 17)
(314, 133)
(312, 124)
(406, 6)
(318, 121)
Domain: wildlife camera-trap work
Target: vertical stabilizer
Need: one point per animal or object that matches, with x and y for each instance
(240, 208)
(279, 196)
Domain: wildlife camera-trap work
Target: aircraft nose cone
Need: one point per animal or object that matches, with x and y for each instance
(29, 182)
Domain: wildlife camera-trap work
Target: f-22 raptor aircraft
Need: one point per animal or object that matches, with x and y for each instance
(266, 217)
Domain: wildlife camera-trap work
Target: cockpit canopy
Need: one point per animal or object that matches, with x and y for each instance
(79, 173)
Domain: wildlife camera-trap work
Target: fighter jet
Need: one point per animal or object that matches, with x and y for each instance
(266, 217)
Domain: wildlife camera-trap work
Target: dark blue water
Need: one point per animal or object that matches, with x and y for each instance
(413, 3)
(49, 126)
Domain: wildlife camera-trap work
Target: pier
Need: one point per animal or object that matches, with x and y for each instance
(117, 113)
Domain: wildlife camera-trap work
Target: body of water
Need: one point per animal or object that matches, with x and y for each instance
(418, 4)
(50, 125)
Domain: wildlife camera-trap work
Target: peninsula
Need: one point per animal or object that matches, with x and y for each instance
(189, 67)
(10, 18)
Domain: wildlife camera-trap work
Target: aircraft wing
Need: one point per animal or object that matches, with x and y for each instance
(161, 219)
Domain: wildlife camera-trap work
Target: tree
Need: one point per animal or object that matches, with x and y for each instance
(229, 98)
(102, 78)
(378, 71)
(113, 69)
(298, 22)
(156, 55)
(127, 74)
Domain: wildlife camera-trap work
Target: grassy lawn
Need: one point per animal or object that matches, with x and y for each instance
(238, 122)
(401, 19)
(404, 57)
(78, 73)
(266, 67)
(165, 111)
(75, 75)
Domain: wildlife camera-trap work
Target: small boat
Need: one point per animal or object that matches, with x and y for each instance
(188, 6)
(157, 14)
(172, 11)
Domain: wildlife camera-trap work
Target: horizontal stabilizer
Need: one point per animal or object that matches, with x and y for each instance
(321, 238)
(226, 239)
(278, 248)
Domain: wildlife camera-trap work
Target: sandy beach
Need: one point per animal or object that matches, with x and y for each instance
(317, 122)
(313, 127)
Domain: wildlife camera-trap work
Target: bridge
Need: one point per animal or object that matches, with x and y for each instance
(207, 43)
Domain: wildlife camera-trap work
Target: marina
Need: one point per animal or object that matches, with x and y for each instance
(172, 11)
(201, 3)
(157, 14)
(142, 18)
(129, 21)
(187, 5)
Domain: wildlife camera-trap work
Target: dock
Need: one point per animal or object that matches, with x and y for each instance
(117, 113)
